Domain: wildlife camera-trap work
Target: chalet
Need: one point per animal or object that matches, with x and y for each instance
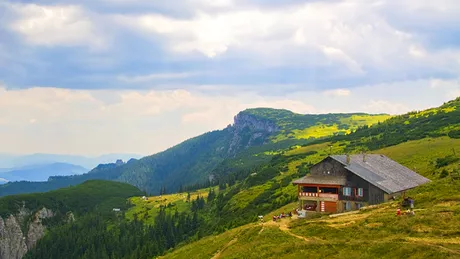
(342, 182)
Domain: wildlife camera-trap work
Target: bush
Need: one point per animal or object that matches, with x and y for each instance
(454, 134)
(444, 174)
(445, 161)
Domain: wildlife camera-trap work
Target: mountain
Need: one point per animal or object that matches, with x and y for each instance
(429, 146)
(306, 126)
(14, 161)
(198, 160)
(42, 172)
(257, 179)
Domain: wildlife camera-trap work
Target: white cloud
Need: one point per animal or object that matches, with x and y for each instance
(441, 83)
(85, 122)
(337, 92)
(417, 52)
(451, 88)
(153, 77)
(338, 55)
(354, 35)
(60, 25)
(381, 106)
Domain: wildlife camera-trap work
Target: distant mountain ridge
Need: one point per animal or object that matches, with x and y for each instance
(14, 160)
(195, 160)
(40, 173)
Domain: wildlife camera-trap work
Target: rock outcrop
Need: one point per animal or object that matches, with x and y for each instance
(36, 228)
(249, 130)
(12, 241)
(20, 232)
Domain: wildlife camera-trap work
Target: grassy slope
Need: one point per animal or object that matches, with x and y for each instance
(374, 233)
(336, 125)
(420, 155)
(439, 206)
(435, 122)
(148, 209)
(324, 130)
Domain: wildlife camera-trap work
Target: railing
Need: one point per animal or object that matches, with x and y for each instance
(308, 194)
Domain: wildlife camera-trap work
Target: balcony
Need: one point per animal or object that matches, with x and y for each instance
(328, 196)
(331, 196)
(351, 197)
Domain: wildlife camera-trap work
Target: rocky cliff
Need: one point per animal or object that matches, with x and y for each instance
(249, 130)
(20, 232)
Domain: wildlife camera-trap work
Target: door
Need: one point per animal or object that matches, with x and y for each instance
(330, 206)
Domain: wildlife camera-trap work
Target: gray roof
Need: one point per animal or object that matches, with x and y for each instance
(382, 172)
(332, 180)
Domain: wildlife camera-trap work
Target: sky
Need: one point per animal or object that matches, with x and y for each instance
(92, 77)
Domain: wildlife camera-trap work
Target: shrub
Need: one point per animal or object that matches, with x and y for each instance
(444, 174)
(445, 161)
(454, 134)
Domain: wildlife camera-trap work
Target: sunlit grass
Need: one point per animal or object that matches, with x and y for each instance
(321, 130)
(371, 233)
(147, 210)
(420, 155)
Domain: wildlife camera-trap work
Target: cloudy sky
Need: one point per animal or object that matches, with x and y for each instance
(137, 76)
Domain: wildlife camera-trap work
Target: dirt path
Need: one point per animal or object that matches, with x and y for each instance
(436, 243)
(217, 255)
(283, 226)
(286, 230)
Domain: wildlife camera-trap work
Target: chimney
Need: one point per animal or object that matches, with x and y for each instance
(348, 159)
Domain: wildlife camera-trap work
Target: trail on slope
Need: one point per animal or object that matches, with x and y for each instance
(217, 255)
(285, 229)
(433, 243)
(283, 226)
(436, 243)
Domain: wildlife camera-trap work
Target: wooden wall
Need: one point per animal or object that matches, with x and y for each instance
(376, 195)
(328, 165)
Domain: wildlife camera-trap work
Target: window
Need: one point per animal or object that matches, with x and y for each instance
(347, 205)
(360, 192)
(346, 191)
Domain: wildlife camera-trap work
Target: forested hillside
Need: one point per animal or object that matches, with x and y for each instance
(214, 154)
(435, 122)
(26, 218)
(80, 199)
